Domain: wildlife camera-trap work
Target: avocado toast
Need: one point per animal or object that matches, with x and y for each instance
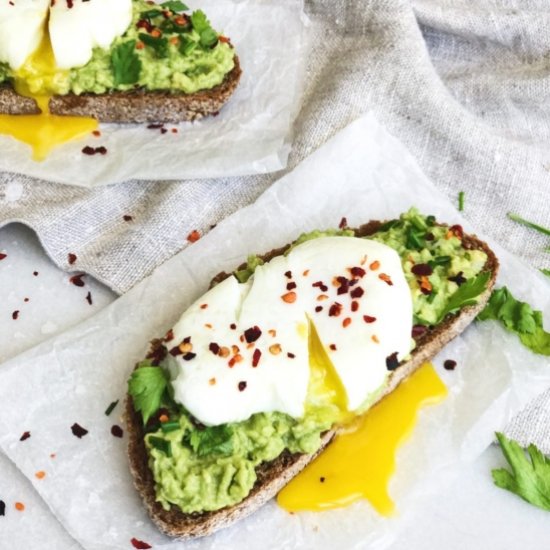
(169, 65)
(437, 262)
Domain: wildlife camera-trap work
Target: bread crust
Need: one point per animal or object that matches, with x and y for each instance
(274, 475)
(136, 106)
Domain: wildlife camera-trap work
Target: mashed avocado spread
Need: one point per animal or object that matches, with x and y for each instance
(201, 468)
(163, 49)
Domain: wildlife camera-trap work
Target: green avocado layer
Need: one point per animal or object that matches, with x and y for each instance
(161, 50)
(203, 469)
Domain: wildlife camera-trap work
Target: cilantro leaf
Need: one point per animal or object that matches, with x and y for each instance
(208, 36)
(528, 479)
(126, 63)
(159, 44)
(146, 386)
(466, 295)
(518, 317)
(174, 5)
(213, 440)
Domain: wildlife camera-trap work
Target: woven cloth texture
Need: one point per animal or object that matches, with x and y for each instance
(464, 85)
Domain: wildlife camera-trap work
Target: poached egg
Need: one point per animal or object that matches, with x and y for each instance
(244, 348)
(41, 40)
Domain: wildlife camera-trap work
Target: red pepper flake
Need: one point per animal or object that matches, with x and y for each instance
(3, 256)
(204, 306)
(233, 326)
(25, 436)
(332, 347)
(139, 544)
(256, 357)
(214, 348)
(174, 130)
(425, 285)
(89, 298)
(343, 287)
(275, 349)
(288, 274)
(305, 273)
(19, 506)
(212, 381)
(252, 334)
(242, 385)
(449, 364)
(335, 310)
(418, 331)
(290, 355)
(272, 332)
(289, 297)
(457, 231)
(231, 362)
(291, 286)
(71, 258)
(52, 455)
(26, 300)
(422, 269)
(357, 292)
(127, 218)
(392, 362)
(320, 285)
(386, 278)
(169, 336)
(319, 309)
(375, 339)
(96, 133)
(155, 126)
(374, 265)
(194, 236)
(78, 430)
(35, 273)
(358, 272)
(40, 474)
(189, 356)
(91, 151)
(117, 431)
(354, 306)
(224, 352)
(235, 349)
(2, 508)
(346, 322)
(15, 315)
(77, 279)
(343, 223)
(368, 319)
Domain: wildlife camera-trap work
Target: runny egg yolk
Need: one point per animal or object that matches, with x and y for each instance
(44, 131)
(360, 462)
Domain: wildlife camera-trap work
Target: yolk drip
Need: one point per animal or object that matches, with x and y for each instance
(43, 132)
(360, 462)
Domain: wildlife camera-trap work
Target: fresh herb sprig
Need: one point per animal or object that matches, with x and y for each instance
(529, 479)
(126, 63)
(147, 386)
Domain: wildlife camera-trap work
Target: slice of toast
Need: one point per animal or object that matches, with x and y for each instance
(274, 475)
(136, 106)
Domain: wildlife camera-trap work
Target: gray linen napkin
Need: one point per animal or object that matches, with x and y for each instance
(466, 86)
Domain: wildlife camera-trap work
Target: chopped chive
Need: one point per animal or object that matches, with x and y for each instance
(170, 426)
(461, 201)
(527, 223)
(546, 272)
(439, 260)
(111, 408)
(161, 444)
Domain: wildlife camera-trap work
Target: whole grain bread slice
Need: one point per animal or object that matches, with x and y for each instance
(273, 476)
(136, 106)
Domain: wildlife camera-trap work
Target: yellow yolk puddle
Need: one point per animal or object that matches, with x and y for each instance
(360, 462)
(43, 132)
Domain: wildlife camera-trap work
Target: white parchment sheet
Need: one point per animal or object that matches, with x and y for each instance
(363, 173)
(251, 134)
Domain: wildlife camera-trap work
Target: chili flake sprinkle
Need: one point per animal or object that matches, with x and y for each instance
(358, 272)
(40, 475)
(89, 298)
(256, 357)
(242, 385)
(214, 348)
(346, 322)
(335, 310)
(3, 256)
(194, 236)
(289, 297)
(357, 292)
(386, 278)
(343, 223)
(19, 506)
(252, 334)
(127, 218)
(449, 364)
(76, 280)
(139, 544)
(2, 508)
(392, 362)
(117, 431)
(15, 315)
(25, 436)
(290, 355)
(71, 258)
(78, 430)
(369, 319)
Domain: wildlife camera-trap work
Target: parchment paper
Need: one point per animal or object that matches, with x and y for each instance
(362, 173)
(251, 134)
